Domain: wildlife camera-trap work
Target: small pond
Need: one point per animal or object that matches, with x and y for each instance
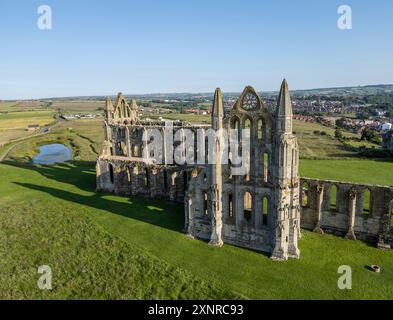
(53, 153)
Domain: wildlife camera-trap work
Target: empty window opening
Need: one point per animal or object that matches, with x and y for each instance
(129, 174)
(111, 174)
(165, 180)
(367, 201)
(265, 166)
(147, 182)
(247, 202)
(333, 198)
(305, 194)
(260, 130)
(205, 212)
(265, 211)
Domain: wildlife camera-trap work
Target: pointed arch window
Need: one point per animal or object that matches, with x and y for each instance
(333, 198)
(147, 181)
(266, 166)
(367, 201)
(111, 173)
(304, 194)
(129, 174)
(185, 180)
(265, 210)
(260, 129)
(205, 209)
(247, 128)
(247, 205)
(165, 180)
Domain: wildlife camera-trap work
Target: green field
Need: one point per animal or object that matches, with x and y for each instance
(106, 246)
(13, 125)
(359, 171)
(6, 106)
(84, 106)
(110, 247)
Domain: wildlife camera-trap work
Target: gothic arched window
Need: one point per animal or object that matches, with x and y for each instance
(333, 198)
(265, 210)
(367, 201)
(247, 205)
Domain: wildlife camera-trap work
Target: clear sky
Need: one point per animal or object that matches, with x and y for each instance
(100, 47)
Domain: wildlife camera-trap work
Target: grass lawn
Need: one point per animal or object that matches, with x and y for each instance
(97, 242)
(359, 171)
(106, 246)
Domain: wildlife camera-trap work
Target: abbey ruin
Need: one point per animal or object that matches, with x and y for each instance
(262, 208)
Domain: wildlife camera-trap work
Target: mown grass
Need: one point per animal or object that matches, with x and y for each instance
(56, 207)
(86, 262)
(42, 201)
(378, 172)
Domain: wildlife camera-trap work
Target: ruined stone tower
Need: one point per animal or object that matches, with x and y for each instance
(256, 208)
(286, 181)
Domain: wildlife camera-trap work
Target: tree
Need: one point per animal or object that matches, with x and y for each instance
(338, 133)
(371, 135)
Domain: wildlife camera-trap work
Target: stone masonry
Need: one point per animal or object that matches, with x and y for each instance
(264, 208)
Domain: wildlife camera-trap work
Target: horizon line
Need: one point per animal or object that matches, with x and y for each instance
(194, 93)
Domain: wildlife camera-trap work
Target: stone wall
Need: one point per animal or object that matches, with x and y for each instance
(128, 176)
(356, 211)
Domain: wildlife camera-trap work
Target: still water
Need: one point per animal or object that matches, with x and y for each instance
(53, 153)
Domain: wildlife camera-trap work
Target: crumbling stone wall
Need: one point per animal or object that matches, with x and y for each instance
(356, 211)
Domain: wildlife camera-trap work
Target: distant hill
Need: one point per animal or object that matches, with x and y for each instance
(348, 91)
(338, 91)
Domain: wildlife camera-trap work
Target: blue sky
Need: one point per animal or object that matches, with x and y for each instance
(100, 47)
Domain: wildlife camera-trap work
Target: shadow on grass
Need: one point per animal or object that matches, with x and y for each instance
(82, 175)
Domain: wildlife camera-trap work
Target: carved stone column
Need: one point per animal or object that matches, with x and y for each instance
(154, 183)
(319, 190)
(352, 212)
(128, 142)
(215, 238)
(383, 242)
